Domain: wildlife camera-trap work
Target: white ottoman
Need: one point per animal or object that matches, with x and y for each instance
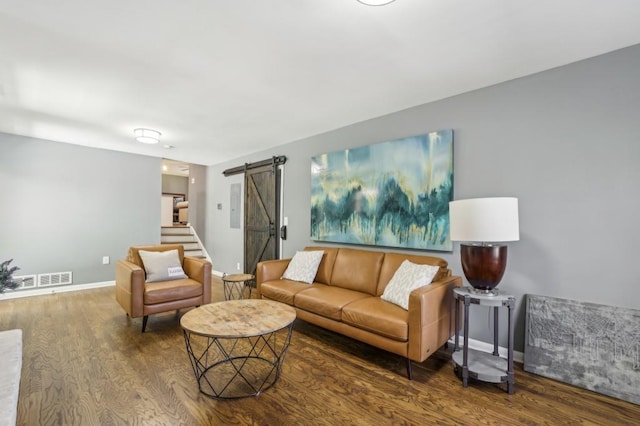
(11, 356)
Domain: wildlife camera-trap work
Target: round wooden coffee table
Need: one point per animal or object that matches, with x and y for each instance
(237, 347)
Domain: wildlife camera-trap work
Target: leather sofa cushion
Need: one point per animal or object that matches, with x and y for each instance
(325, 300)
(169, 291)
(357, 270)
(326, 264)
(392, 262)
(282, 290)
(378, 316)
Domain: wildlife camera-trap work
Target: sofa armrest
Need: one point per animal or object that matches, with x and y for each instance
(431, 317)
(270, 270)
(130, 287)
(199, 270)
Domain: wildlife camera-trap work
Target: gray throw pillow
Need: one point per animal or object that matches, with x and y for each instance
(162, 265)
(407, 278)
(304, 266)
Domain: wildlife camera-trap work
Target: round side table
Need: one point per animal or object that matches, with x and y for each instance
(235, 285)
(488, 367)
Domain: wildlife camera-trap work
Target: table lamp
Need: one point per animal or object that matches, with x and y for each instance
(482, 224)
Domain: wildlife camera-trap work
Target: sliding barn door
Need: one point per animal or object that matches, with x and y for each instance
(262, 216)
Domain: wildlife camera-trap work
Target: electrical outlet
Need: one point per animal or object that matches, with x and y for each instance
(238, 266)
(105, 260)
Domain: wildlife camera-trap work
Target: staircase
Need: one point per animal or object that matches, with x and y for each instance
(185, 235)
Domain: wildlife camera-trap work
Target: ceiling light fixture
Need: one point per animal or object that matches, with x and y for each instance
(375, 2)
(147, 135)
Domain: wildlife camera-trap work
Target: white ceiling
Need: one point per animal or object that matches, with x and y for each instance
(223, 78)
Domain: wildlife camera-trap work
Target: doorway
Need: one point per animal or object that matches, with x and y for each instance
(175, 189)
(261, 215)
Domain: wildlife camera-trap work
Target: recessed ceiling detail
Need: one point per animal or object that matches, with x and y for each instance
(375, 2)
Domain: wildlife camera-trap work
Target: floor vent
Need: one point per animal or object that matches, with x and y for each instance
(27, 281)
(55, 278)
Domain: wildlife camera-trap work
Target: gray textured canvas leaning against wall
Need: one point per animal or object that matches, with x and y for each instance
(593, 346)
(393, 194)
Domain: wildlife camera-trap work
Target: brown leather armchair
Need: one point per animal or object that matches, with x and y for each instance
(183, 211)
(141, 299)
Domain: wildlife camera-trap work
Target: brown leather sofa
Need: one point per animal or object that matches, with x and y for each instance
(141, 299)
(345, 298)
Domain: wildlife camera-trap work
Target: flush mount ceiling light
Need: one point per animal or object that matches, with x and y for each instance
(147, 135)
(375, 2)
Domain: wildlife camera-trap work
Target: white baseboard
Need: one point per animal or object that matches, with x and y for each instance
(9, 294)
(52, 290)
(488, 347)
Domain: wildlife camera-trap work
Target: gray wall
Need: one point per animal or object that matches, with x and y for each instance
(172, 184)
(564, 141)
(65, 206)
(197, 195)
(224, 244)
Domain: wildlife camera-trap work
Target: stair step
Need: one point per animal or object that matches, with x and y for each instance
(191, 246)
(177, 239)
(182, 234)
(175, 230)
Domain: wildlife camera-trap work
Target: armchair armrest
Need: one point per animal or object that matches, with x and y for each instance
(199, 270)
(130, 287)
(431, 317)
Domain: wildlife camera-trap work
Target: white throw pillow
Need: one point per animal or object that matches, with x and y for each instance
(304, 266)
(407, 278)
(162, 265)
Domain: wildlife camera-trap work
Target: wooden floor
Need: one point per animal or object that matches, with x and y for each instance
(85, 363)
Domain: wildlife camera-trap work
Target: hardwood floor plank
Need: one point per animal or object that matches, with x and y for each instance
(86, 363)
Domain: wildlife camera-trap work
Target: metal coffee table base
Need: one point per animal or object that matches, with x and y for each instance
(231, 368)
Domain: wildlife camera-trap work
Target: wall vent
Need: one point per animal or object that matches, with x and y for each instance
(28, 281)
(54, 278)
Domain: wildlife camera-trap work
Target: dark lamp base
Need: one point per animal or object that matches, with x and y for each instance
(483, 265)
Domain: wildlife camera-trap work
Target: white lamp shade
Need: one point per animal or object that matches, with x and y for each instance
(484, 219)
(147, 135)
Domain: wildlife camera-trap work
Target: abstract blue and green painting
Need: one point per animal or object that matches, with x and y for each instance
(393, 194)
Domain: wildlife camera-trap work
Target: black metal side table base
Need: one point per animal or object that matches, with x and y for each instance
(232, 368)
